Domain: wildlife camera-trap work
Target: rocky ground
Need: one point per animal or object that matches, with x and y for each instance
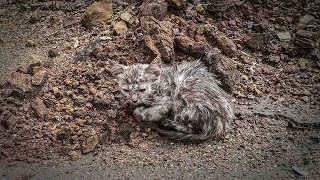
(62, 116)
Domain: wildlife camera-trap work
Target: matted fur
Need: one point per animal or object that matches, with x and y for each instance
(185, 98)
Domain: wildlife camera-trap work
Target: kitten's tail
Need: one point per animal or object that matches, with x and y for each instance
(185, 137)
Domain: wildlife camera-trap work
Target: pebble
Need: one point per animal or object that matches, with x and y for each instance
(53, 53)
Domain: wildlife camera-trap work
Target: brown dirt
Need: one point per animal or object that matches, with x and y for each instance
(68, 107)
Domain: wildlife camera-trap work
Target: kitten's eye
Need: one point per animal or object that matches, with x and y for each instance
(142, 90)
(126, 90)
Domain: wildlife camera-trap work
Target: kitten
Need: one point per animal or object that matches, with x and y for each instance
(184, 99)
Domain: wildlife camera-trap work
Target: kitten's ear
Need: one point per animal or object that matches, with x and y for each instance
(155, 66)
(116, 68)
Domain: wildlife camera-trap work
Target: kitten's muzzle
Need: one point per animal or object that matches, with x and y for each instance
(134, 98)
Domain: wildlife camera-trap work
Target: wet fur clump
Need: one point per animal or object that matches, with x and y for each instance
(184, 99)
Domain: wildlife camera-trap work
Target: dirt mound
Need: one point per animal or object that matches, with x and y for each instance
(253, 48)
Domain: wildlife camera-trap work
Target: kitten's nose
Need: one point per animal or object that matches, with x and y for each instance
(134, 98)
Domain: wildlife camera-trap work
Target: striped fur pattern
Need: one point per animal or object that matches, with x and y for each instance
(184, 98)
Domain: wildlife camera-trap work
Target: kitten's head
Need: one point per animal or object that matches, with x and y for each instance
(135, 80)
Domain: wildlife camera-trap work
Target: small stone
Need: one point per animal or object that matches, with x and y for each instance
(302, 63)
(308, 34)
(199, 8)
(24, 68)
(69, 109)
(184, 43)
(300, 171)
(290, 69)
(30, 43)
(39, 108)
(102, 98)
(8, 120)
(228, 47)
(20, 81)
(274, 58)
(281, 99)
(284, 36)
(143, 146)
(97, 14)
(92, 90)
(35, 17)
(120, 27)
(304, 21)
(244, 77)
(112, 113)
(127, 17)
(258, 41)
(74, 155)
(90, 144)
(40, 74)
(53, 53)
(305, 98)
(68, 82)
(176, 3)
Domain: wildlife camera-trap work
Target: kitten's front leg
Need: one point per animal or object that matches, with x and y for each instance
(138, 113)
(155, 113)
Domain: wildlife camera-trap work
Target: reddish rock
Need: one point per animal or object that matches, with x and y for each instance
(20, 81)
(97, 14)
(184, 43)
(227, 46)
(39, 108)
(90, 144)
(304, 21)
(224, 67)
(159, 37)
(39, 75)
(153, 8)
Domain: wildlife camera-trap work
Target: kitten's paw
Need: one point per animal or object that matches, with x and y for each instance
(138, 113)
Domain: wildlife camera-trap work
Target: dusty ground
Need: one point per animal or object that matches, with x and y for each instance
(62, 116)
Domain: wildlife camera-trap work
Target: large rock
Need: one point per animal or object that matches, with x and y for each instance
(227, 46)
(156, 9)
(39, 108)
(97, 14)
(189, 46)
(20, 81)
(223, 67)
(184, 43)
(159, 37)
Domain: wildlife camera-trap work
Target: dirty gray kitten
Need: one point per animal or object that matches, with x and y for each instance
(184, 99)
